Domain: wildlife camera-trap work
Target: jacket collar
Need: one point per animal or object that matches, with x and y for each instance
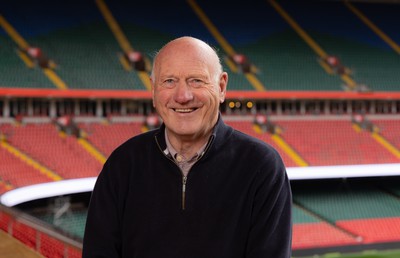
(219, 135)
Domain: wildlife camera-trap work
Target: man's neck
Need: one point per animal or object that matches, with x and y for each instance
(187, 146)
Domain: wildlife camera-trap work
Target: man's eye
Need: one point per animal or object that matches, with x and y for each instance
(169, 83)
(196, 83)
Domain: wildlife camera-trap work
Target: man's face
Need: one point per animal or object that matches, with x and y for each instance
(187, 92)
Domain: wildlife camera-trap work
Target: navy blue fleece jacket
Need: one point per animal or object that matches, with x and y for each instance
(237, 201)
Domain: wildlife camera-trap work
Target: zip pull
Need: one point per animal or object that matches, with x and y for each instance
(184, 179)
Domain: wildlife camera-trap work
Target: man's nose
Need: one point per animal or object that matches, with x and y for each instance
(183, 93)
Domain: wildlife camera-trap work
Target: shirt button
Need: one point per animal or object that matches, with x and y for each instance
(179, 158)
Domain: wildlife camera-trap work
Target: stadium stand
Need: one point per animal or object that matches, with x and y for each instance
(87, 54)
(262, 32)
(248, 128)
(17, 173)
(311, 231)
(357, 207)
(360, 48)
(389, 129)
(106, 137)
(14, 73)
(383, 16)
(62, 154)
(334, 142)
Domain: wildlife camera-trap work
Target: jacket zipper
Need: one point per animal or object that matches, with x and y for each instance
(184, 179)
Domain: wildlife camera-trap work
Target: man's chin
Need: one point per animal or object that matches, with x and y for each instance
(186, 131)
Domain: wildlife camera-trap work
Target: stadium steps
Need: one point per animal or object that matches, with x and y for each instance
(63, 155)
(390, 130)
(373, 27)
(316, 47)
(383, 16)
(386, 144)
(90, 66)
(107, 137)
(333, 142)
(282, 59)
(121, 38)
(289, 150)
(294, 56)
(30, 161)
(18, 169)
(248, 128)
(380, 139)
(368, 57)
(85, 50)
(24, 45)
(229, 50)
(90, 148)
(14, 72)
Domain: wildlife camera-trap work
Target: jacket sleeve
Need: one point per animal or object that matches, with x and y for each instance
(271, 231)
(102, 237)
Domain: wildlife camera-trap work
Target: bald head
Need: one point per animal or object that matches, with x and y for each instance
(191, 48)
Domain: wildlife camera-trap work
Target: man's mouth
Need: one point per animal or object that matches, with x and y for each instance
(184, 110)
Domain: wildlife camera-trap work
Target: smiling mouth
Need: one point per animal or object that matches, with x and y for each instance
(184, 110)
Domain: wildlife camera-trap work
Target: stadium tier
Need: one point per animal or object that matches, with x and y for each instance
(325, 214)
(366, 49)
(389, 129)
(362, 210)
(61, 155)
(284, 42)
(334, 142)
(106, 137)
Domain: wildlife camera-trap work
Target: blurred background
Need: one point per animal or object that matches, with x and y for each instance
(318, 80)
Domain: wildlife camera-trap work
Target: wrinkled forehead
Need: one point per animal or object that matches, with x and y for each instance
(185, 61)
(188, 55)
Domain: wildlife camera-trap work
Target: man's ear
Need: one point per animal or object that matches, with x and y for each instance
(152, 83)
(223, 83)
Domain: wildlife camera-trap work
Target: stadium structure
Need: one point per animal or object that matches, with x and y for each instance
(318, 80)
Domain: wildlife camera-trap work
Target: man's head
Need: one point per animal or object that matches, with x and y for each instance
(188, 85)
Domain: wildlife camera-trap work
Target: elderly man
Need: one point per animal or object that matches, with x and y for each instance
(195, 187)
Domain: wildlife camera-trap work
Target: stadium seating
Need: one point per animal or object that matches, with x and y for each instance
(333, 142)
(106, 137)
(72, 223)
(375, 230)
(360, 209)
(325, 213)
(310, 231)
(362, 50)
(63, 155)
(14, 73)
(390, 129)
(254, 29)
(17, 173)
(248, 128)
